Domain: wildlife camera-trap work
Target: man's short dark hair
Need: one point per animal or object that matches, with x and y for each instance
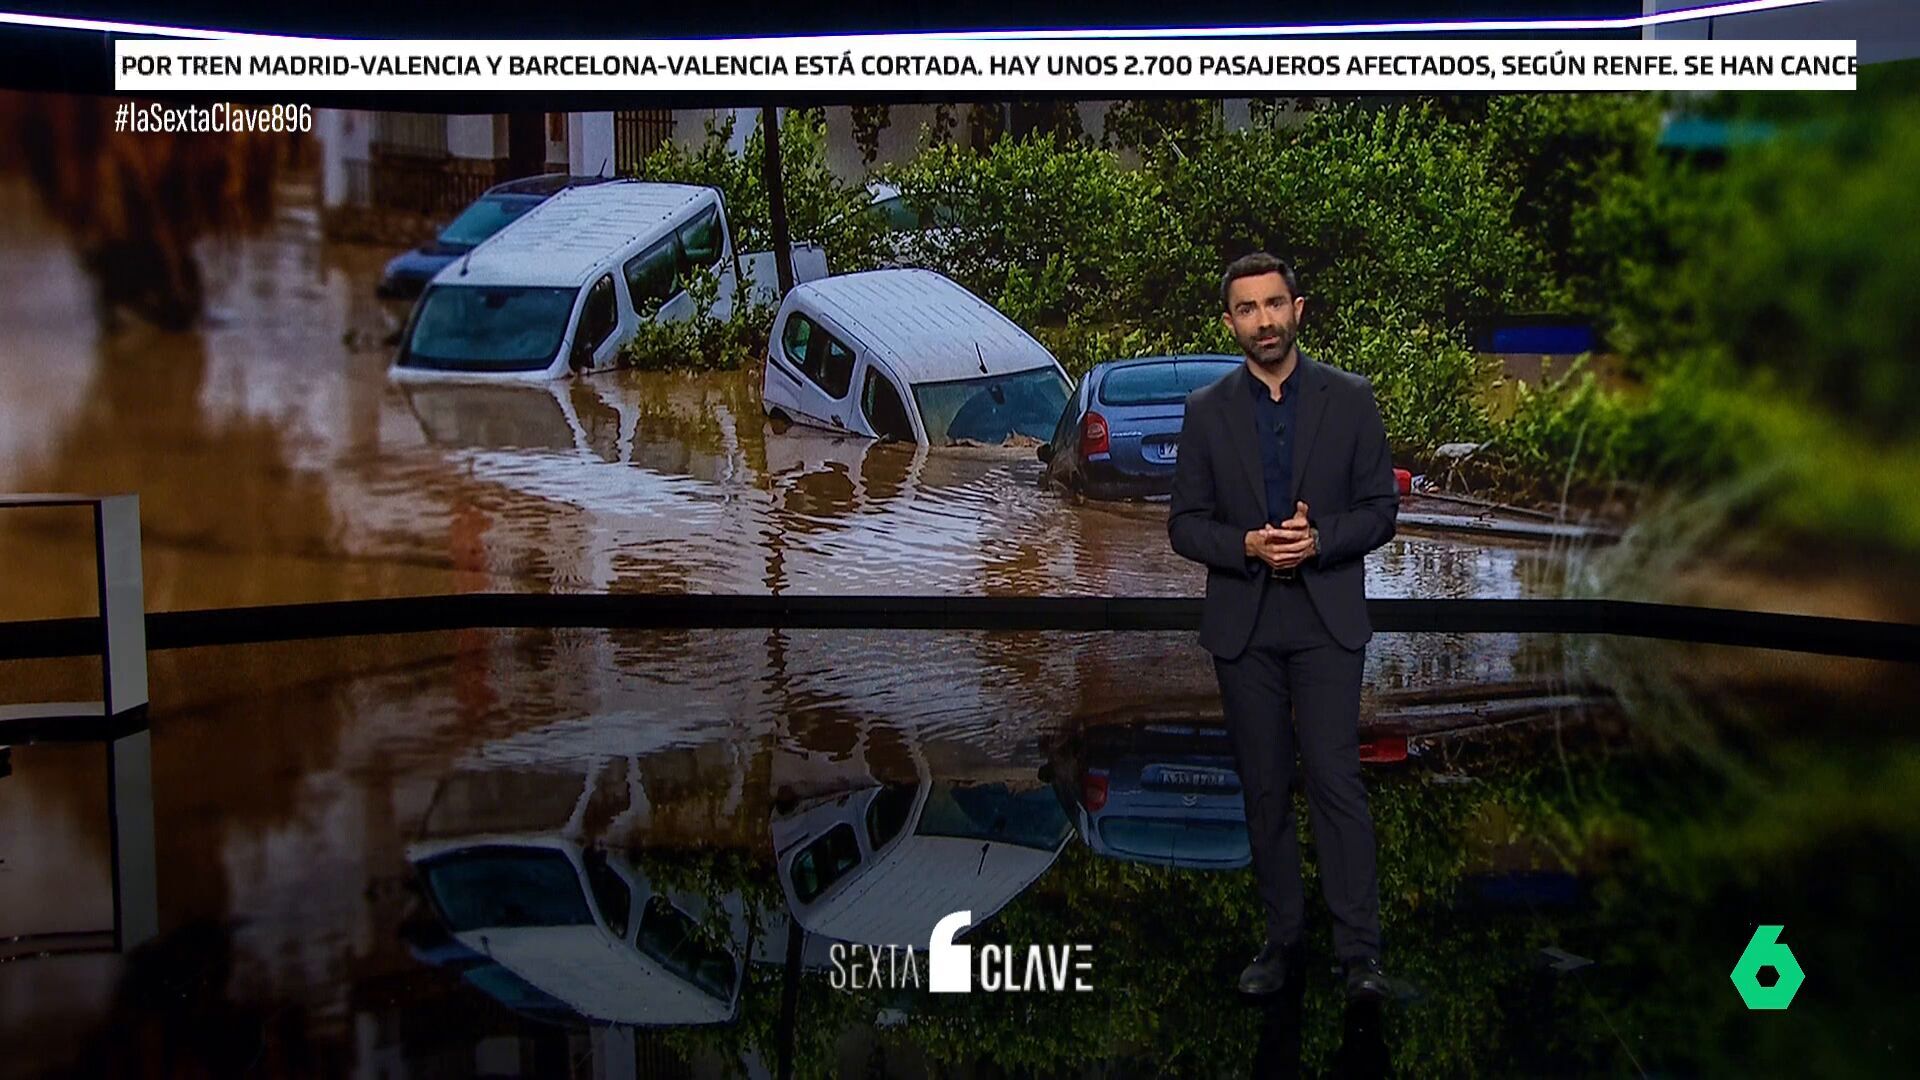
(1254, 265)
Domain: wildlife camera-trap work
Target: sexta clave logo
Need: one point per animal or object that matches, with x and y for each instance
(952, 968)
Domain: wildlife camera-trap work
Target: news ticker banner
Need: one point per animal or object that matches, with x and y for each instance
(919, 64)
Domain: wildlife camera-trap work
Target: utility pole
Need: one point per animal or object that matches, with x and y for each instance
(776, 196)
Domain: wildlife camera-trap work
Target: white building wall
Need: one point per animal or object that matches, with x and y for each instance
(1885, 29)
(590, 144)
(690, 126)
(344, 135)
(479, 136)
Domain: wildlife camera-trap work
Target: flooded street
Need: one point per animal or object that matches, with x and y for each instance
(314, 914)
(276, 464)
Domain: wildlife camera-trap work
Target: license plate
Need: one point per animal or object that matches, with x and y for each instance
(1190, 778)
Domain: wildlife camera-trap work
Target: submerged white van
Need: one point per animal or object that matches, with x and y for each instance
(883, 864)
(511, 865)
(560, 290)
(909, 355)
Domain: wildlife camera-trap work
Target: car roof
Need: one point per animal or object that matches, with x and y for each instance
(1105, 366)
(923, 325)
(898, 896)
(564, 240)
(544, 184)
(601, 977)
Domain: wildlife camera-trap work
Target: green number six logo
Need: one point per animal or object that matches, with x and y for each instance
(1765, 950)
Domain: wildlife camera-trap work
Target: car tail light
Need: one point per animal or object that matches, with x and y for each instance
(1093, 791)
(1384, 751)
(1093, 435)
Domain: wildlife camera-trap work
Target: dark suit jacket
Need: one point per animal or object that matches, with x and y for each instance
(1342, 470)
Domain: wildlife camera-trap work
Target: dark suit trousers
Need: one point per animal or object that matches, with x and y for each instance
(1296, 689)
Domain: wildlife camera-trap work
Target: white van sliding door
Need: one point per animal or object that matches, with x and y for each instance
(883, 407)
(595, 345)
(822, 367)
(657, 278)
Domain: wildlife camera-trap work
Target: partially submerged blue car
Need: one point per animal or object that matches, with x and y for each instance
(1120, 434)
(407, 274)
(1160, 794)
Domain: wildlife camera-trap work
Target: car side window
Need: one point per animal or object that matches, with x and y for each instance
(824, 862)
(819, 355)
(700, 242)
(653, 277)
(597, 316)
(887, 814)
(609, 891)
(885, 412)
(836, 367)
(795, 338)
(1068, 417)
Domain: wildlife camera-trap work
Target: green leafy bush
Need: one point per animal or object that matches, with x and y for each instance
(820, 206)
(703, 341)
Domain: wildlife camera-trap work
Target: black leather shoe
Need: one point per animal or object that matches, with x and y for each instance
(1366, 981)
(1268, 971)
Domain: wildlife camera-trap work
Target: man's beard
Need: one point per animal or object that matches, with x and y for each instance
(1273, 354)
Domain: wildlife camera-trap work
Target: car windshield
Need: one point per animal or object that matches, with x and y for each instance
(1164, 838)
(671, 937)
(494, 888)
(484, 218)
(488, 328)
(994, 812)
(992, 408)
(1166, 383)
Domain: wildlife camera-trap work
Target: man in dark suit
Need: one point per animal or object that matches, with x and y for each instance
(1284, 483)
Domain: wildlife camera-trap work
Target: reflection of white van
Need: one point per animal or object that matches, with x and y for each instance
(505, 862)
(909, 355)
(561, 289)
(883, 864)
(563, 416)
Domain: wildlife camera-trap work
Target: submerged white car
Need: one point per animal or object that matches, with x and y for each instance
(881, 864)
(515, 874)
(909, 355)
(561, 289)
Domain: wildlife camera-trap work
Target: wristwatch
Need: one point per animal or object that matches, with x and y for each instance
(1314, 531)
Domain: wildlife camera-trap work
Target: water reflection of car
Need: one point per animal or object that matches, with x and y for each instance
(516, 875)
(429, 943)
(1161, 794)
(573, 415)
(822, 483)
(880, 865)
(407, 274)
(1119, 434)
(908, 355)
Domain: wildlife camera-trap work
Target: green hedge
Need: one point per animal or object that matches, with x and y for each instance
(1791, 268)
